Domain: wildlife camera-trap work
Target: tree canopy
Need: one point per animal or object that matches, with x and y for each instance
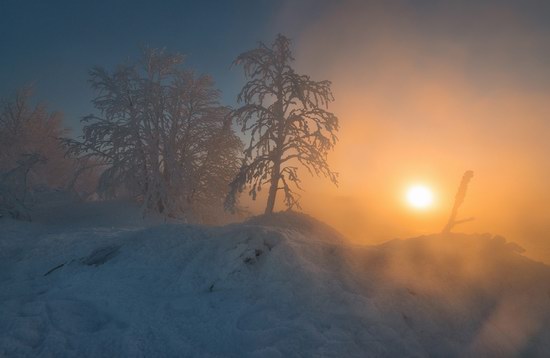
(162, 136)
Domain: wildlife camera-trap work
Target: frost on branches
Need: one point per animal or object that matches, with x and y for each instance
(162, 136)
(288, 124)
(31, 155)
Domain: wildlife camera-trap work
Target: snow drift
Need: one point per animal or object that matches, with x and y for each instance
(284, 285)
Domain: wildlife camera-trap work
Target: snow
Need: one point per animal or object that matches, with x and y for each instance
(94, 280)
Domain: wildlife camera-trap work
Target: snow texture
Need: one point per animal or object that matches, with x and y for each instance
(85, 281)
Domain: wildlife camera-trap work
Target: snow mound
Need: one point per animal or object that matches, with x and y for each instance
(284, 285)
(295, 221)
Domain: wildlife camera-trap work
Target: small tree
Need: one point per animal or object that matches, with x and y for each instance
(31, 154)
(285, 115)
(27, 129)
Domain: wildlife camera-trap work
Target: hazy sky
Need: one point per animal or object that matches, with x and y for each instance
(424, 90)
(54, 43)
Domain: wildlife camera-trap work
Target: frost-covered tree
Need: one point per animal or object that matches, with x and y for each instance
(14, 187)
(27, 129)
(284, 113)
(162, 136)
(31, 154)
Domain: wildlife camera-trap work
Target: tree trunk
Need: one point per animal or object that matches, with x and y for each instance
(459, 199)
(275, 176)
(279, 143)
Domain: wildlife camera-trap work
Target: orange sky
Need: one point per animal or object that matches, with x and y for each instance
(423, 102)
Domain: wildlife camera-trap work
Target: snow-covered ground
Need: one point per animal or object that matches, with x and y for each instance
(94, 280)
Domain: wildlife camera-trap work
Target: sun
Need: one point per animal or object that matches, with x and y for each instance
(420, 197)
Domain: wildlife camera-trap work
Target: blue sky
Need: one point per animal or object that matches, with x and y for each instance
(53, 44)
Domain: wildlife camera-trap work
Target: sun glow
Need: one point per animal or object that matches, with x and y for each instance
(420, 197)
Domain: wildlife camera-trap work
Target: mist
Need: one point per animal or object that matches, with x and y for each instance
(425, 93)
(285, 178)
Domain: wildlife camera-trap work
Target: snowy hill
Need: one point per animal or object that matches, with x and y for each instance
(279, 286)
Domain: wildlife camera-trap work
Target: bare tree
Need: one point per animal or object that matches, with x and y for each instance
(31, 154)
(285, 116)
(459, 199)
(162, 136)
(27, 129)
(14, 187)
